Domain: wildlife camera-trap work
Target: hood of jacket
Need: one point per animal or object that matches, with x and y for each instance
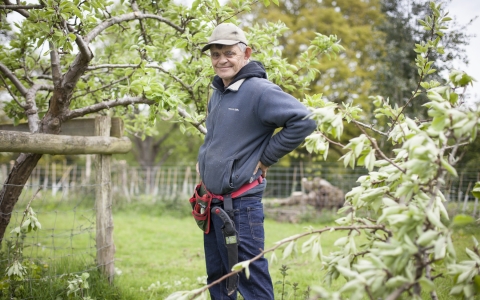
(252, 69)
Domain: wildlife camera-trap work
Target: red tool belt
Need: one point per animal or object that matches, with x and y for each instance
(201, 202)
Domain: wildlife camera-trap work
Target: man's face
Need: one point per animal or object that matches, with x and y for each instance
(227, 61)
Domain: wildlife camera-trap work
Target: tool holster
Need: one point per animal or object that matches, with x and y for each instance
(231, 238)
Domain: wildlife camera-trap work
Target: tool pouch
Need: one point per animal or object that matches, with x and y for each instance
(201, 202)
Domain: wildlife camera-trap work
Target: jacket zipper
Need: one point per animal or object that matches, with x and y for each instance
(214, 113)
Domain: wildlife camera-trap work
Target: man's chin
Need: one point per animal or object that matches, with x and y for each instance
(225, 76)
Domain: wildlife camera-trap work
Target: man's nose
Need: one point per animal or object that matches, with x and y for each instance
(223, 59)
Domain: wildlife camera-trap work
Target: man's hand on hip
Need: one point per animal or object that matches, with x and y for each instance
(261, 167)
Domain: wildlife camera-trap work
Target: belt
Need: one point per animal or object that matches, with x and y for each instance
(241, 190)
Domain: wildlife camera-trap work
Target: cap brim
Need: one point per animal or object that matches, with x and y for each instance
(221, 42)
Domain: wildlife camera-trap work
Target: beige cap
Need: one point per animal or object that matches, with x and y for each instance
(226, 34)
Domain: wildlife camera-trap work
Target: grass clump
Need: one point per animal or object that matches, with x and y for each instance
(42, 281)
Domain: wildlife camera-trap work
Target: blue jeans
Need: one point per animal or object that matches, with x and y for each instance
(249, 225)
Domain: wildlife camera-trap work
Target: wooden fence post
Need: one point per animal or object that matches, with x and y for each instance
(103, 204)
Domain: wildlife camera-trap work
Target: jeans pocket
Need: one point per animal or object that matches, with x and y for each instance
(255, 220)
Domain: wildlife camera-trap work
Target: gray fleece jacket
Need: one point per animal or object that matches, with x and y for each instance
(241, 122)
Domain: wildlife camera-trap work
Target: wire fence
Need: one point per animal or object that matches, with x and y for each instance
(172, 182)
(178, 181)
(63, 247)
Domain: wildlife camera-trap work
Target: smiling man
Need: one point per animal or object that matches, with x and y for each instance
(243, 113)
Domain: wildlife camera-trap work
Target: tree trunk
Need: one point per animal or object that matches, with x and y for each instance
(13, 187)
(148, 150)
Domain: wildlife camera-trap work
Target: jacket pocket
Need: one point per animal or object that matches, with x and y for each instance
(227, 176)
(218, 176)
(233, 173)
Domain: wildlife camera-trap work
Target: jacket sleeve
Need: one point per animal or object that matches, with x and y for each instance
(279, 109)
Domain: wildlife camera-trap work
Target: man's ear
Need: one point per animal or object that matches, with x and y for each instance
(248, 53)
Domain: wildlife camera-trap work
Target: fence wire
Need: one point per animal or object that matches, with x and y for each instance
(176, 181)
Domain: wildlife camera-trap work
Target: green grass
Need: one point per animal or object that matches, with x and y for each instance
(169, 250)
(159, 250)
(151, 249)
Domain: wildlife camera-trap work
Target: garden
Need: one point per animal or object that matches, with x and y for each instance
(389, 108)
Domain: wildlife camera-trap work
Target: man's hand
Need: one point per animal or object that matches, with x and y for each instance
(261, 167)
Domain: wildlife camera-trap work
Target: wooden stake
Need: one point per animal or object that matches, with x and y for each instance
(103, 203)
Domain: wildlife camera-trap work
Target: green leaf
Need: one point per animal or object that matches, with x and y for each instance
(433, 218)
(273, 258)
(425, 238)
(16, 230)
(448, 167)
(426, 284)
(440, 248)
(476, 190)
(348, 273)
(288, 250)
(462, 220)
(396, 282)
(473, 256)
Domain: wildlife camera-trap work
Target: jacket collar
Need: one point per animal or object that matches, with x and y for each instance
(236, 85)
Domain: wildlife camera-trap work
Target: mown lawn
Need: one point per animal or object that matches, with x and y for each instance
(165, 253)
(169, 251)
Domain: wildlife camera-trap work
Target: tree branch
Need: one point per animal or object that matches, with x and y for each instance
(102, 87)
(16, 82)
(80, 112)
(128, 17)
(331, 141)
(369, 127)
(182, 112)
(55, 63)
(46, 77)
(142, 27)
(422, 75)
(20, 10)
(124, 102)
(283, 242)
(16, 7)
(375, 145)
(82, 46)
(114, 66)
(11, 93)
(396, 293)
(428, 274)
(30, 107)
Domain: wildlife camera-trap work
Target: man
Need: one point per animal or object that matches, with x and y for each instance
(243, 113)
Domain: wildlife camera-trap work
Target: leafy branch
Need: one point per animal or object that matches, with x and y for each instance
(79, 112)
(133, 66)
(434, 25)
(102, 87)
(29, 222)
(289, 242)
(20, 8)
